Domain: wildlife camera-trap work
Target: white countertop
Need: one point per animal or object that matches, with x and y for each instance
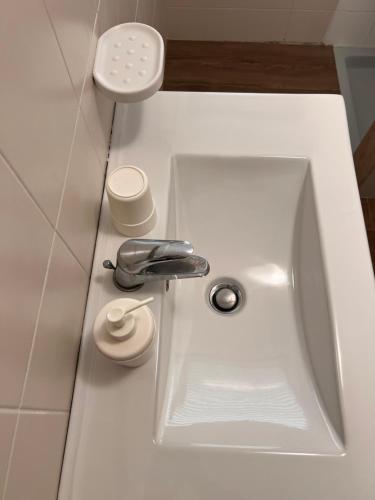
(111, 452)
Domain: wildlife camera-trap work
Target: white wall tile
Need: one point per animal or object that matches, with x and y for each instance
(36, 463)
(370, 39)
(37, 102)
(226, 24)
(127, 10)
(311, 21)
(98, 114)
(7, 424)
(47, 50)
(97, 110)
(146, 12)
(82, 198)
(307, 26)
(24, 251)
(315, 4)
(73, 22)
(118, 11)
(248, 20)
(349, 28)
(356, 5)
(51, 375)
(112, 12)
(108, 14)
(231, 4)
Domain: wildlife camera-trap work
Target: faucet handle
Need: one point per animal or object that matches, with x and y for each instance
(137, 254)
(107, 264)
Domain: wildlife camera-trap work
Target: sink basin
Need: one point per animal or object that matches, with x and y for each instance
(266, 377)
(273, 401)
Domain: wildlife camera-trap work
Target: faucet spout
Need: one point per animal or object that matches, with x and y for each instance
(142, 260)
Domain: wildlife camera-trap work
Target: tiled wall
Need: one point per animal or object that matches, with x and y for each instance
(340, 22)
(54, 135)
(247, 20)
(150, 12)
(353, 24)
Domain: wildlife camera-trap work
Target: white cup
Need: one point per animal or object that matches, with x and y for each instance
(131, 205)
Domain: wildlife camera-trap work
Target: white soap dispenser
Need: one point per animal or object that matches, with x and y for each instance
(124, 331)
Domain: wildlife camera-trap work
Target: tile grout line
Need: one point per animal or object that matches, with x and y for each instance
(19, 178)
(78, 105)
(249, 9)
(153, 17)
(60, 48)
(67, 170)
(87, 73)
(80, 96)
(30, 411)
(37, 206)
(287, 24)
(10, 458)
(11, 453)
(26, 189)
(85, 310)
(37, 321)
(66, 244)
(54, 236)
(39, 209)
(79, 113)
(364, 39)
(365, 36)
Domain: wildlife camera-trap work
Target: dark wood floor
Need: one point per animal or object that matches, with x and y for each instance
(250, 67)
(257, 67)
(368, 207)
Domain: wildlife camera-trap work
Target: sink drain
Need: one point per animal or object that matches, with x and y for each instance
(225, 297)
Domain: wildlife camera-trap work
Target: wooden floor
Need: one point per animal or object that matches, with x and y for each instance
(368, 207)
(257, 67)
(250, 67)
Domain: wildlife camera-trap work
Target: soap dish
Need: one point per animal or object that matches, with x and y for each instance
(129, 62)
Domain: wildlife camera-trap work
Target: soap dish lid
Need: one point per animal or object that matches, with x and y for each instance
(129, 62)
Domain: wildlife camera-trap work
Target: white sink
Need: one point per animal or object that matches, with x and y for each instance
(273, 401)
(264, 378)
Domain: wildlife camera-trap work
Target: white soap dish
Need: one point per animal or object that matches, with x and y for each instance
(129, 63)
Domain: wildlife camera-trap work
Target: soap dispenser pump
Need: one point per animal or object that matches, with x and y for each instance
(124, 331)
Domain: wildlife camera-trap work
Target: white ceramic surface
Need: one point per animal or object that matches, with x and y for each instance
(129, 62)
(246, 380)
(271, 403)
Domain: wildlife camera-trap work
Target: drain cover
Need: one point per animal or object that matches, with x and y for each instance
(225, 297)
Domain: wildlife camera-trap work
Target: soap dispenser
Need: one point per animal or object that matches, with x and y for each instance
(124, 331)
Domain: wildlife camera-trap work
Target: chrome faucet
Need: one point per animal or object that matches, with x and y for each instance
(139, 261)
